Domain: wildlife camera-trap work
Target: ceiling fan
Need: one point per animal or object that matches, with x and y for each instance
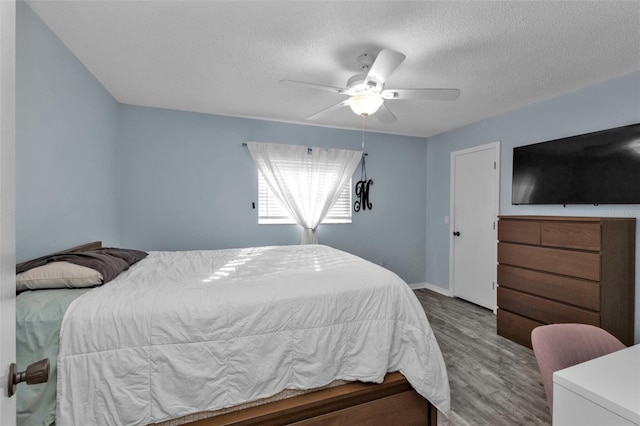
(366, 90)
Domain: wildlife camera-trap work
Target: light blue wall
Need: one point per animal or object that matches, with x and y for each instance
(610, 104)
(66, 133)
(188, 183)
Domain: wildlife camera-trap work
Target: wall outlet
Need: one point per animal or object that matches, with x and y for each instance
(446, 220)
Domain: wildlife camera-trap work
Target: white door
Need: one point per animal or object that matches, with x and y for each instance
(474, 209)
(7, 207)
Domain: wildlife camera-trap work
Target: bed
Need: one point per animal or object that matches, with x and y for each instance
(265, 335)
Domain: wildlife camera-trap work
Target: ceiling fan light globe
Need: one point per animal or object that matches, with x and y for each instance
(365, 104)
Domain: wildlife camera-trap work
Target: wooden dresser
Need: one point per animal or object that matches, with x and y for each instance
(555, 269)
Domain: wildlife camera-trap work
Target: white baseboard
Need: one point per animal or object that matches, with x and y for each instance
(431, 287)
(416, 286)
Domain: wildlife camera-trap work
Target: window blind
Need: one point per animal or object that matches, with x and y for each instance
(270, 211)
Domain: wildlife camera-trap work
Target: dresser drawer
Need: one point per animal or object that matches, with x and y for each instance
(519, 231)
(574, 291)
(516, 328)
(582, 236)
(565, 262)
(544, 310)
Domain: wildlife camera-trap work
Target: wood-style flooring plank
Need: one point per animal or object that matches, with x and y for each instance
(493, 381)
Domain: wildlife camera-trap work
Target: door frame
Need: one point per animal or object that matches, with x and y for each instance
(452, 181)
(7, 205)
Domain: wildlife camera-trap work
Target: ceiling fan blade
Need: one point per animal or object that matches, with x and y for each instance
(422, 94)
(305, 85)
(384, 115)
(326, 111)
(386, 62)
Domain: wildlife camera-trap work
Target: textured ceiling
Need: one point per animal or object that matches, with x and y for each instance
(227, 57)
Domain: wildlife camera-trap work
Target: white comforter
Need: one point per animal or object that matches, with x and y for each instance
(182, 332)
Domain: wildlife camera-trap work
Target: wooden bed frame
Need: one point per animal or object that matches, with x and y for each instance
(391, 403)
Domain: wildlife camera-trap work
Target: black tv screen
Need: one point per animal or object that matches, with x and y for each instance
(595, 168)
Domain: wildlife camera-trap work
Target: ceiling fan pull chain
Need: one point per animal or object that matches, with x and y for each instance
(362, 133)
(363, 174)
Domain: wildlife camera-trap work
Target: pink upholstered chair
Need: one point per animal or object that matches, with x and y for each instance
(558, 346)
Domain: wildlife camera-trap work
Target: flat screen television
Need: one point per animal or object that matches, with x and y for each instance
(595, 168)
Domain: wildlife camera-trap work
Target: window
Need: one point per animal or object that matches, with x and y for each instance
(270, 211)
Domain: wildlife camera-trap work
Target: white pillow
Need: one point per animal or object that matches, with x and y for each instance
(57, 275)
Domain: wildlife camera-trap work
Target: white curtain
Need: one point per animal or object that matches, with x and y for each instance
(306, 181)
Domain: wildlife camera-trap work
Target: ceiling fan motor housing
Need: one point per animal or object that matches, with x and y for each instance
(359, 85)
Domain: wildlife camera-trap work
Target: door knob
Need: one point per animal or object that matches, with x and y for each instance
(38, 372)
(456, 234)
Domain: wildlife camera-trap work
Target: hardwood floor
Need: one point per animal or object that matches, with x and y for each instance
(493, 381)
